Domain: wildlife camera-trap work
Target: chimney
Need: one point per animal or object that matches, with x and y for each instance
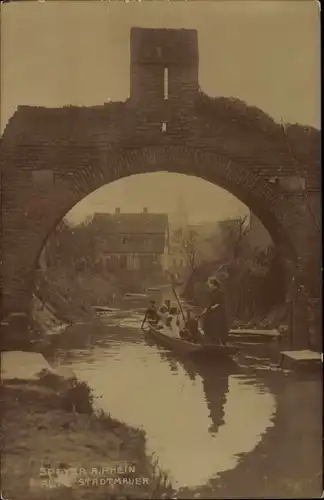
(117, 210)
(145, 210)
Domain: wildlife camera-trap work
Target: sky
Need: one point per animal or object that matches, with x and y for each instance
(264, 52)
(162, 192)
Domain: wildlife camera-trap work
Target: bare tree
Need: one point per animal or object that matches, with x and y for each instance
(70, 245)
(232, 239)
(234, 264)
(188, 241)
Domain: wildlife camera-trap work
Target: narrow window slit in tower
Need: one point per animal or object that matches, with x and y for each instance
(166, 83)
(164, 127)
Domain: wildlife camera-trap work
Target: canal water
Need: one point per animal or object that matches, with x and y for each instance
(199, 419)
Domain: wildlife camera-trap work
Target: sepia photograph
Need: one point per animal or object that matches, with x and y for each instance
(161, 250)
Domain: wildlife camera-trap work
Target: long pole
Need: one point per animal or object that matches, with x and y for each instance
(178, 300)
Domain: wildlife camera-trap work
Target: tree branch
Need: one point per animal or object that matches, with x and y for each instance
(187, 239)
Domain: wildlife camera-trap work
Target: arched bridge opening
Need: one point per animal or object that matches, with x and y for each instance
(46, 206)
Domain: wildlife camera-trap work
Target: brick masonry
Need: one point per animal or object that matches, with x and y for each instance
(53, 158)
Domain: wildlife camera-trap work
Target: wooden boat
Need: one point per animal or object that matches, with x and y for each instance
(186, 347)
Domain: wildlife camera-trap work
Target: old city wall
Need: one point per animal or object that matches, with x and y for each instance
(52, 158)
(47, 170)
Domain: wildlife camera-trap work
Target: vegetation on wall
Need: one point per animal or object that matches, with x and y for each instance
(305, 140)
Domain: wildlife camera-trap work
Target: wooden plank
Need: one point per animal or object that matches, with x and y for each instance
(303, 359)
(305, 355)
(266, 333)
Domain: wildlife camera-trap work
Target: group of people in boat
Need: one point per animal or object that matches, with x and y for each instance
(175, 324)
(169, 318)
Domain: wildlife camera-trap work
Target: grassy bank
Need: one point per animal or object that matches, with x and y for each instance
(50, 431)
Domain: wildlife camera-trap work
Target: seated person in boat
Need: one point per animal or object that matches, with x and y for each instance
(167, 304)
(173, 323)
(191, 331)
(151, 314)
(163, 313)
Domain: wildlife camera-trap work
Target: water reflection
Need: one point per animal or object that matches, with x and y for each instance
(200, 418)
(214, 380)
(233, 401)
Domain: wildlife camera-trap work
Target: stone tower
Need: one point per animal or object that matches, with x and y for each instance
(164, 76)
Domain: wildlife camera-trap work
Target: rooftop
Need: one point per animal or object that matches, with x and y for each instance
(132, 223)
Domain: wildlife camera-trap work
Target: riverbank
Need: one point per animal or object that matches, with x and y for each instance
(54, 445)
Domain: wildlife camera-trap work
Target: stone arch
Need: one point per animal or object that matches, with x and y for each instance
(263, 199)
(43, 210)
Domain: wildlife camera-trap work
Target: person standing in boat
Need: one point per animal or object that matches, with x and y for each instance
(151, 314)
(214, 317)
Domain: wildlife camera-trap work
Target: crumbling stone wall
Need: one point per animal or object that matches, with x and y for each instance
(53, 158)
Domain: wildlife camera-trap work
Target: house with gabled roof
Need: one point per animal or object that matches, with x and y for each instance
(132, 241)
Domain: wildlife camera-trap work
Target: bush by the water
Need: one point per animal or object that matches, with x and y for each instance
(79, 397)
